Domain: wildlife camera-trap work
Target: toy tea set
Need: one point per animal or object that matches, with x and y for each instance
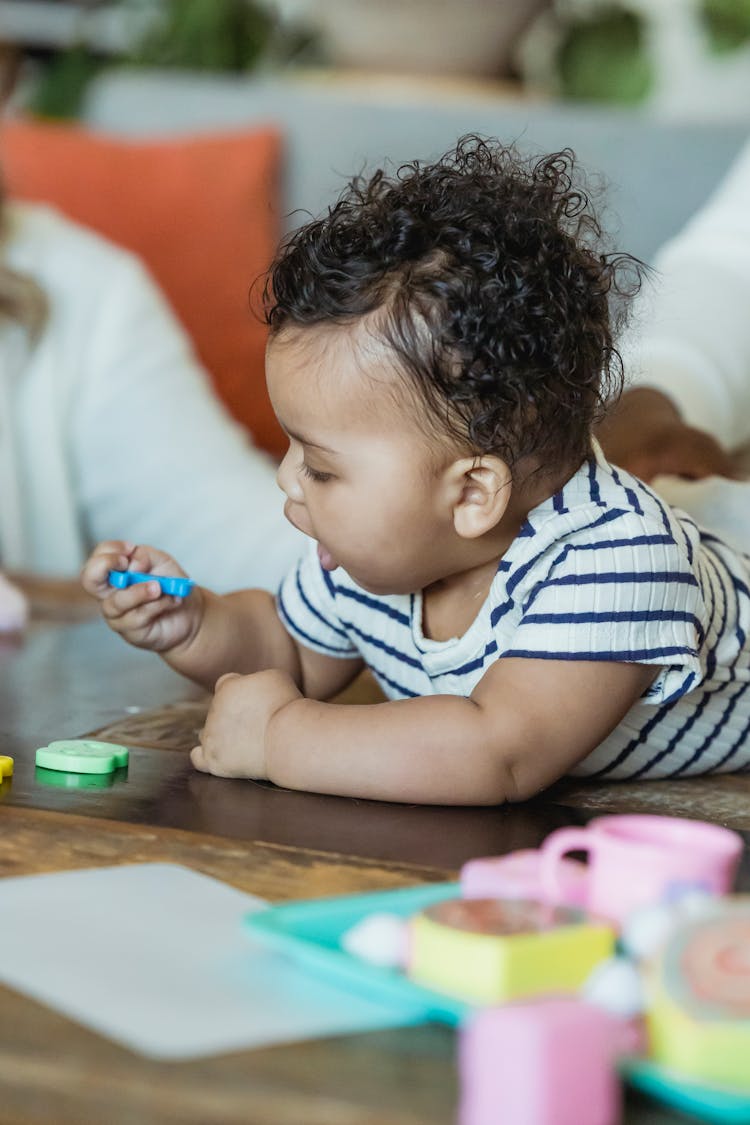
(562, 976)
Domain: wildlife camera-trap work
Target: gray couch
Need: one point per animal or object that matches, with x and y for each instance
(658, 173)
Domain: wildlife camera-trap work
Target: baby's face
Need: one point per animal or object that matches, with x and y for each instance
(362, 475)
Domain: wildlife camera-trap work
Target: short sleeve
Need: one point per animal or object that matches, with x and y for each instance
(306, 604)
(631, 598)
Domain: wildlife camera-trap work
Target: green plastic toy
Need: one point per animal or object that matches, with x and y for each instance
(83, 755)
(59, 780)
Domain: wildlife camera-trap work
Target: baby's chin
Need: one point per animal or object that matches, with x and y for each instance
(366, 582)
(326, 559)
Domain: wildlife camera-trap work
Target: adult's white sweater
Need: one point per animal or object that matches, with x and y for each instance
(690, 336)
(109, 428)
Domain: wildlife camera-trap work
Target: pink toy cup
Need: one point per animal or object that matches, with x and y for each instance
(637, 861)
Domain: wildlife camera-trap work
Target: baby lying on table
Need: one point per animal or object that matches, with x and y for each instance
(441, 343)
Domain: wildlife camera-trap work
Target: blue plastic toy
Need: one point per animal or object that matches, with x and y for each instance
(177, 587)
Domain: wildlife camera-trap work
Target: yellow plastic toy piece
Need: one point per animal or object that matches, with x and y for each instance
(699, 1009)
(493, 950)
(6, 766)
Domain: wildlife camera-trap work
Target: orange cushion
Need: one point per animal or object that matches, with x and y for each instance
(200, 211)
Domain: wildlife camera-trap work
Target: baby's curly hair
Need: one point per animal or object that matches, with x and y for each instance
(494, 289)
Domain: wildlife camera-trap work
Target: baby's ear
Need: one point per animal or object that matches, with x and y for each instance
(482, 487)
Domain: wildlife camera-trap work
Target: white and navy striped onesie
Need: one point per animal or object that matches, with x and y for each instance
(603, 570)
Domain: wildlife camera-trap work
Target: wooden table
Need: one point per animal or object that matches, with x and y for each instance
(69, 677)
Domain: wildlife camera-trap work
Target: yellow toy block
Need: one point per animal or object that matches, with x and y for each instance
(492, 950)
(699, 1001)
(6, 766)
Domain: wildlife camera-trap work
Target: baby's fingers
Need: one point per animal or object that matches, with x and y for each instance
(137, 606)
(113, 547)
(149, 560)
(210, 763)
(199, 760)
(95, 574)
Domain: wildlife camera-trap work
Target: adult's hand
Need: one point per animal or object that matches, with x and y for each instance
(645, 434)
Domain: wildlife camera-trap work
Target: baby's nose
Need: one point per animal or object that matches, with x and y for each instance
(288, 480)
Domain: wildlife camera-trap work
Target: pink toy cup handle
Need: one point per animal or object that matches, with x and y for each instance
(555, 847)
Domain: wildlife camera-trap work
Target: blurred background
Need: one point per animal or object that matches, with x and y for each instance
(194, 132)
(682, 58)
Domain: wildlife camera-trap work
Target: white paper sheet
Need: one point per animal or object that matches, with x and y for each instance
(154, 956)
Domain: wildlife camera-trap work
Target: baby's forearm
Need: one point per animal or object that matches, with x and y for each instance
(433, 750)
(238, 632)
(527, 723)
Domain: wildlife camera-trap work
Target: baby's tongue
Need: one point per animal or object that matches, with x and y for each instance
(327, 560)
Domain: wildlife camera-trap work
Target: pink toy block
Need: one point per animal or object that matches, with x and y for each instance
(518, 875)
(548, 1062)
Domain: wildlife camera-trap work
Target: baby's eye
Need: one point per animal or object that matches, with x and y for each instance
(314, 474)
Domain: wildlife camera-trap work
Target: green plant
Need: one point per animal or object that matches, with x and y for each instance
(603, 58)
(215, 35)
(61, 87)
(727, 23)
(228, 35)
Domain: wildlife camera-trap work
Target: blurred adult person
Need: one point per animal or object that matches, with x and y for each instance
(108, 424)
(687, 408)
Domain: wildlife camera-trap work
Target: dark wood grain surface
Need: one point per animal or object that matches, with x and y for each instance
(52, 1070)
(66, 679)
(55, 1071)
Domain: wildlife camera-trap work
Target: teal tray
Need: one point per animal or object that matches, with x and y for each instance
(311, 932)
(720, 1106)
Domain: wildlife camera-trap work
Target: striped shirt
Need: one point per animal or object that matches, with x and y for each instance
(603, 570)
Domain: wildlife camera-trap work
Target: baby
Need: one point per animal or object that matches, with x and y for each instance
(441, 343)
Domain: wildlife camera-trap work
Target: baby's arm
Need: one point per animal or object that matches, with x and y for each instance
(528, 722)
(205, 636)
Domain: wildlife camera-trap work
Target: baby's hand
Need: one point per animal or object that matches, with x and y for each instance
(233, 741)
(142, 613)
